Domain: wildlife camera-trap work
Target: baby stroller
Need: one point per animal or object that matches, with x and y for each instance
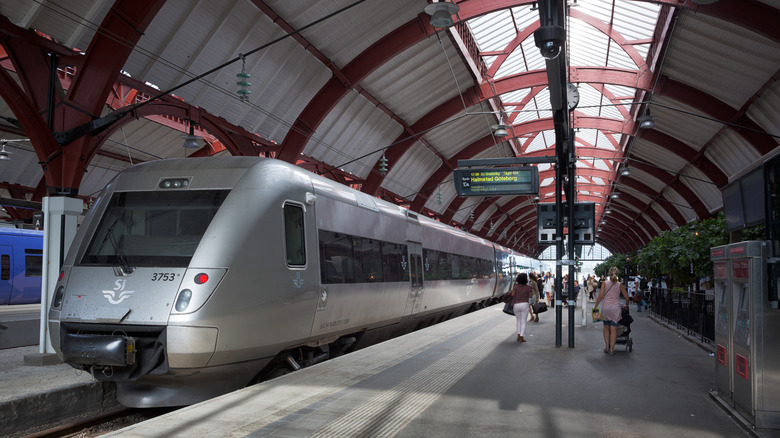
(624, 329)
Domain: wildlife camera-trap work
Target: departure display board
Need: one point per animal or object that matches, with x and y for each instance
(502, 181)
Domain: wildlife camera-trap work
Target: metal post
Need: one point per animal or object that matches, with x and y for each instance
(570, 198)
(558, 255)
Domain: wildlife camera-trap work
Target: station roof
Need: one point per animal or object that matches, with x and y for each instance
(337, 86)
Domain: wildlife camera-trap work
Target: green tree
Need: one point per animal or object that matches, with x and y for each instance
(681, 255)
(616, 259)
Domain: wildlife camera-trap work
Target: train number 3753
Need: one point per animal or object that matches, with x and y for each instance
(163, 276)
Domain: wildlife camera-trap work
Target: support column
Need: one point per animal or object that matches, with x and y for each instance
(60, 219)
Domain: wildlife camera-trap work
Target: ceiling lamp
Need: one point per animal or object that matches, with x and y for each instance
(646, 121)
(500, 130)
(625, 171)
(441, 14)
(243, 92)
(191, 140)
(4, 154)
(615, 195)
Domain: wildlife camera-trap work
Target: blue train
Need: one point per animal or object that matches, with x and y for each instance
(21, 266)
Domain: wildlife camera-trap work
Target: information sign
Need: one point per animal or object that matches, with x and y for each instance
(499, 181)
(584, 222)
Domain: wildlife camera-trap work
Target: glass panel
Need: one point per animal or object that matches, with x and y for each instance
(431, 264)
(33, 266)
(455, 264)
(153, 228)
(395, 266)
(416, 270)
(5, 267)
(336, 258)
(370, 260)
(294, 235)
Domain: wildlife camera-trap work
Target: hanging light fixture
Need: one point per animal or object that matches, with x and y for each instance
(646, 121)
(441, 14)
(625, 171)
(243, 92)
(500, 130)
(383, 164)
(4, 154)
(191, 140)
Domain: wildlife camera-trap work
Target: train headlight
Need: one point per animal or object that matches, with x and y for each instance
(56, 301)
(184, 300)
(174, 183)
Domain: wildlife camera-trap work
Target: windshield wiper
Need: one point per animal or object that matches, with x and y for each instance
(121, 255)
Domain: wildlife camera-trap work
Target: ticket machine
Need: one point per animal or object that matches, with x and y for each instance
(723, 318)
(754, 357)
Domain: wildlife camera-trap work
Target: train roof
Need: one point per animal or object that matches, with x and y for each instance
(13, 231)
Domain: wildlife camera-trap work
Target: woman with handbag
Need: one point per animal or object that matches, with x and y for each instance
(521, 293)
(611, 289)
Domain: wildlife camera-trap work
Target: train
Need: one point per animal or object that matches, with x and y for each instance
(190, 278)
(21, 265)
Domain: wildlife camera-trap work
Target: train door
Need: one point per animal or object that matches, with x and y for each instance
(299, 239)
(416, 284)
(6, 273)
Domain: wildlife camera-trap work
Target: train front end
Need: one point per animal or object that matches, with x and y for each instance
(129, 270)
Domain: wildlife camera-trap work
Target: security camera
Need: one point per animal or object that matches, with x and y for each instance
(550, 50)
(549, 40)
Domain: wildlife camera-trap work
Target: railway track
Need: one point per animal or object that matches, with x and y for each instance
(93, 426)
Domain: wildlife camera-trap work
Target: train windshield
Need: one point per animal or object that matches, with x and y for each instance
(153, 228)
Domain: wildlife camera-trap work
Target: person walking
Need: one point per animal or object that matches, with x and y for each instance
(521, 293)
(591, 287)
(539, 284)
(611, 289)
(549, 286)
(533, 282)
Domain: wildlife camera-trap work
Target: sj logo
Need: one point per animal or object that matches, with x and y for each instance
(119, 293)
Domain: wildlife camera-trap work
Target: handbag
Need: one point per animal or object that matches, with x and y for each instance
(509, 308)
(540, 307)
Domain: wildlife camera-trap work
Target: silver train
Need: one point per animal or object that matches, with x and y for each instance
(191, 278)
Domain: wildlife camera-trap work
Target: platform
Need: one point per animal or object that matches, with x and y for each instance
(463, 377)
(469, 377)
(19, 325)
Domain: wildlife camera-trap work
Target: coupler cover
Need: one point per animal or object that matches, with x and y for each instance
(105, 350)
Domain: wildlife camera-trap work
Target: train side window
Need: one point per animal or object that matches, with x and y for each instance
(294, 235)
(370, 256)
(395, 264)
(33, 266)
(431, 265)
(5, 267)
(455, 264)
(336, 258)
